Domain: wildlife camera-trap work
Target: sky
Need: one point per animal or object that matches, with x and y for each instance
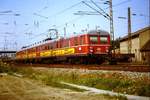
(24, 22)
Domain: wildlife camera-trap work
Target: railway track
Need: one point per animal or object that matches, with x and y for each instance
(119, 67)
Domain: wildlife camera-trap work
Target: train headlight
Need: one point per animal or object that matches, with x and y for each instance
(98, 49)
(91, 49)
(80, 48)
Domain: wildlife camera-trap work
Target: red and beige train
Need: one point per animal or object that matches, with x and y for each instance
(87, 48)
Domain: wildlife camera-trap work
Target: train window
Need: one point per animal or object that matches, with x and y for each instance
(76, 41)
(103, 39)
(93, 39)
(47, 47)
(66, 43)
(43, 47)
(82, 40)
(61, 43)
(33, 50)
(37, 49)
(40, 48)
(50, 46)
(54, 45)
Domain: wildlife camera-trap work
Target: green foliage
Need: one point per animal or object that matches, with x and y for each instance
(107, 81)
(4, 67)
(144, 90)
(118, 97)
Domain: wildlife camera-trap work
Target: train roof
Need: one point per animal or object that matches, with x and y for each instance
(101, 32)
(94, 32)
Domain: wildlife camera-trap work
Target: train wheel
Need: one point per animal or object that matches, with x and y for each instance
(100, 61)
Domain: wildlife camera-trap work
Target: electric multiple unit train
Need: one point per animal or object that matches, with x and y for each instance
(87, 48)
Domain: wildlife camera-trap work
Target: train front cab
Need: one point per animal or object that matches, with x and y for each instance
(98, 47)
(90, 48)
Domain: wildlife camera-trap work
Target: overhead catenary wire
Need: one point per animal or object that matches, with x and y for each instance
(100, 8)
(59, 26)
(103, 10)
(60, 12)
(72, 6)
(118, 4)
(95, 9)
(7, 11)
(40, 15)
(66, 9)
(73, 20)
(45, 7)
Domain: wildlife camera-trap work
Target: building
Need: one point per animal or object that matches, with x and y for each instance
(140, 45)
(7, 54)
(145, 51)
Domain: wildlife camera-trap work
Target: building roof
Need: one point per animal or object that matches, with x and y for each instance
(135, 34)
(146, 47)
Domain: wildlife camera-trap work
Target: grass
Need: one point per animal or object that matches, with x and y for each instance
(118, 97)
(50, 79)
(107, 81)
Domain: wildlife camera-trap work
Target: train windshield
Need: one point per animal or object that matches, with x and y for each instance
(103, 39)
(94, 39)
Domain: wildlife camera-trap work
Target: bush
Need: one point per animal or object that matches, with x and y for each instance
(4, 67)
(144, 90)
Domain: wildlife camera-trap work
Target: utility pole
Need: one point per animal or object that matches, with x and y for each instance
(129, 30)
(5, 46)
(65, 32)
(111, 25)
(111, 20)
(5, 43)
